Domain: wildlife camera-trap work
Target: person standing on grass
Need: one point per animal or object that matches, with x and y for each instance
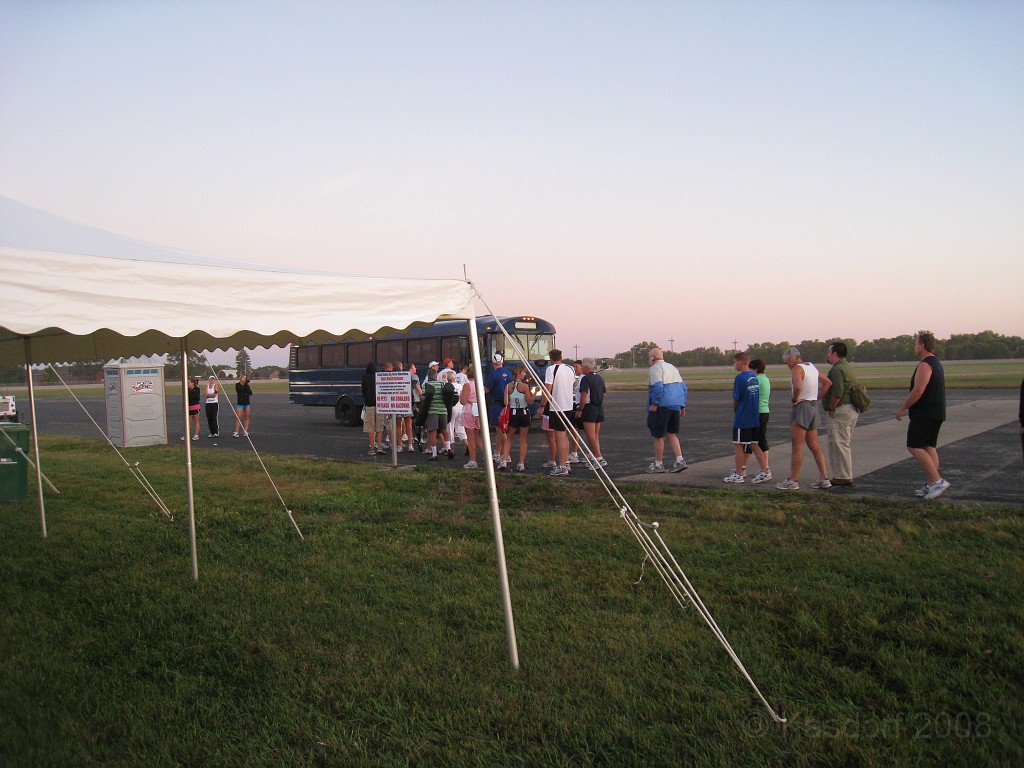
(558, 380)
(746, 396)
(842, 416)
(518, 398)
(497, 380)
(243, 403)
(763, 413)
(591, 407)
(213, 406)
(809, 386)
(194, 396)
(666, 405)
(926, 404)
(373, 425)
(469, 410)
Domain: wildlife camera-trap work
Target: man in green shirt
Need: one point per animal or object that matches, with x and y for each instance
(842, 416)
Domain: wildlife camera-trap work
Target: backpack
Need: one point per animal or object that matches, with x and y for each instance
(859, 398)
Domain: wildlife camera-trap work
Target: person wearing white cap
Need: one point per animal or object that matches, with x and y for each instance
(495, 385)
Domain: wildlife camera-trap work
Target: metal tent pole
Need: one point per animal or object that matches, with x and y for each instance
(499, 542)
(188, 460)
(35, 434)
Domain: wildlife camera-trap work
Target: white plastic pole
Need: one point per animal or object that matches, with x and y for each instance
(35, 435)
(499, 542)
(188, 461)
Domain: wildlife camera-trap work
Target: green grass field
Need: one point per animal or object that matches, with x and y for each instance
(891, 631)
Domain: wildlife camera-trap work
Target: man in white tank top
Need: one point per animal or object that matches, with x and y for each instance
(804, 425)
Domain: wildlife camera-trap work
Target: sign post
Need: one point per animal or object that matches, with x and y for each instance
(394, 399)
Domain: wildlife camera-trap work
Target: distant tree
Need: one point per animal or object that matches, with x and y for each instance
(636, 356)
(242, 363)
(198, 365)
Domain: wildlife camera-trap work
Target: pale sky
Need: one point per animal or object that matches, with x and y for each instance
(630, 171)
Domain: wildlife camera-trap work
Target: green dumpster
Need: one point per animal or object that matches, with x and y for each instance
(13, 465)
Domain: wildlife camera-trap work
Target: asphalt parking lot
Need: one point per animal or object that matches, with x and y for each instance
(985, 467)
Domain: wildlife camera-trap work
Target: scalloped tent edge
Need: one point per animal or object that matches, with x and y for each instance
(71, 292)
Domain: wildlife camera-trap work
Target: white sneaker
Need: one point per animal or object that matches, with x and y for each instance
(601, 461)
(656, 467)
(559, 471)
(821, 485)
(922, 490)
(788, 485)
(549, 465)
(680, 465)
(574, 458)
(234, 434)
(936, 489)
(470, 465)
(734, 478)
(762, 477)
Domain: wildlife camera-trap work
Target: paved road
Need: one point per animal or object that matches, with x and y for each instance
(983, 467)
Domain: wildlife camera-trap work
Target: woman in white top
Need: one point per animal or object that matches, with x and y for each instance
(213, 406)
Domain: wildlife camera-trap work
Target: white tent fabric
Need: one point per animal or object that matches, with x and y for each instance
(84, 294)
(70, 292)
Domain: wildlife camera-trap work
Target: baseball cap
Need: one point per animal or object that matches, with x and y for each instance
(497, 358)
(433, 363)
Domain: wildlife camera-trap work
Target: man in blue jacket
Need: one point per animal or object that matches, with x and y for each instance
(666, 404)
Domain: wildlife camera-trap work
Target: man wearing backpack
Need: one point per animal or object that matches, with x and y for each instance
(842, 415)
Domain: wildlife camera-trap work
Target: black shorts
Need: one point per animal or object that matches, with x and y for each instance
(663, 421)
(593, 414)
(519, 418)
(557, 424)
(744, 435)
(762, 432)
(923, 432)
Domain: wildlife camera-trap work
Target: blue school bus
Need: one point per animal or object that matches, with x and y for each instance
(329, 374)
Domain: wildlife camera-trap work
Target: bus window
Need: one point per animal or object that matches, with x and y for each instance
(454, 347)
(360, 354)
(334, 356)
(308, 357)
(422, 351)
(389, 352)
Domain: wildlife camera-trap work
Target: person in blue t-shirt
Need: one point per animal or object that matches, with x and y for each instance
(746, 419)
(497, 382)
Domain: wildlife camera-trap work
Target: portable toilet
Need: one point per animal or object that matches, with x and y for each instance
(136, 410)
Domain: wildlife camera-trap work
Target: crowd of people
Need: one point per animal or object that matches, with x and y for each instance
(447, 402)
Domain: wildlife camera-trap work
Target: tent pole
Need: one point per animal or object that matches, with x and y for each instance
(35, 434)
(499, 542)
(188, 460)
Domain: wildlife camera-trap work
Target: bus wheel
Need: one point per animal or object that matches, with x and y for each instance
(346, 412)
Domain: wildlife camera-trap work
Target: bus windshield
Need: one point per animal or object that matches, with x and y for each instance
(536, 345)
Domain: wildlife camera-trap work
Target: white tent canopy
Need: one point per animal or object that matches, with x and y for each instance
(73, 292)
(83, 294)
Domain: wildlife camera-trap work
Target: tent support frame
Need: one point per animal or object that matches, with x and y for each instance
(188, 461)
(492, 489)
(35, 434)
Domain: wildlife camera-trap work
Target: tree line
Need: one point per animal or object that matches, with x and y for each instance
(92, 372)
(987, 345)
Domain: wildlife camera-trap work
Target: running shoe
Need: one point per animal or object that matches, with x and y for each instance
(680, 465)
(937, 488)
(559, 472)
(549, 465)
(788, 485)
(234, 434)
(574, 458)
(922, 490)
(656, 467)
(470, 465)
(761, 477)
(195, 437)
(821, 485)
(734, 477)
(520, 467)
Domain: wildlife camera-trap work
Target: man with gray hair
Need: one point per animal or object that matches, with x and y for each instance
(803, 428)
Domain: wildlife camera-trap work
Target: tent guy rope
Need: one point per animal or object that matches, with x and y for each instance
(672, 574)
